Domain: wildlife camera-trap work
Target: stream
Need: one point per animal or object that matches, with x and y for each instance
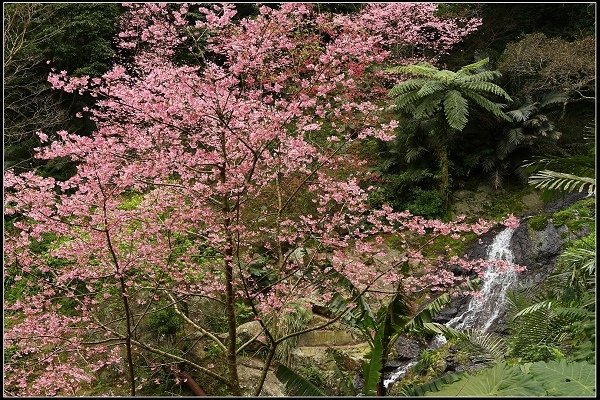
(484, 309)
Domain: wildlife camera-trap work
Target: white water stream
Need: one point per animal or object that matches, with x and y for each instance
(398, 373)
(484, 309)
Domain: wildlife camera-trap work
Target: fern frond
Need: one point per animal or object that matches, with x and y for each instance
(468, 69)
(407, 100)
(553, 180)
(431, 87)
(406, 86)
(533, 308)
(456, 110)
(487, 105)
(483, 76)
(487, 87)
(428, 106)
(487, 343)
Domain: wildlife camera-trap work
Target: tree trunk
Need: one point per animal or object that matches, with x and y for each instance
(230, 310)
(444, 175)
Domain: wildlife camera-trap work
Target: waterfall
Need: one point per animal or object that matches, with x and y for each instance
(484, 309)
(398, 373)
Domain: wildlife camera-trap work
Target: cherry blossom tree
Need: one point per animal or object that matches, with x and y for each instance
(248, 153)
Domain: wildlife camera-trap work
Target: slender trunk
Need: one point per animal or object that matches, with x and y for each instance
(128, 338)
(387, 335)
(124, 296)
(444, 175)
(230, 310)
(229, 293)
(265, 370)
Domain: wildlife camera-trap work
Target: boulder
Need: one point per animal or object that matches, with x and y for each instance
(249, 330)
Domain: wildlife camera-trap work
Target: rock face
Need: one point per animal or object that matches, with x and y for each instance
(249, 372)
(248, 331)
(407, 348)
(537, 250)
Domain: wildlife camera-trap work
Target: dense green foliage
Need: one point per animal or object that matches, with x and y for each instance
(73, 37)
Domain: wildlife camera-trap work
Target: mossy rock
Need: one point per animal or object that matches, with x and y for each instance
(539, 222)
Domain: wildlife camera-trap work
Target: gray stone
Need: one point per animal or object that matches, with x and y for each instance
(249, 330)
(407, 348)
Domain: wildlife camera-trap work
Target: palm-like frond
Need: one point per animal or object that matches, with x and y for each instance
(514, 137)
(486, 87)
(579, 259)
(456, 110)
(523, 113)
(406, 86)
(553, 180)
(486, 104)
(554, 98)
(296, 384)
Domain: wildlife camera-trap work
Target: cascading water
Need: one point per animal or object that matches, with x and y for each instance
(398, 373)
(485, 308)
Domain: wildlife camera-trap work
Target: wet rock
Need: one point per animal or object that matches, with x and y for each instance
(407, 348)
(564, 201)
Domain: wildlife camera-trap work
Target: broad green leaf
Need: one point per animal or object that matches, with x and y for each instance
(499, 380)
(296, 384)
(566, 379)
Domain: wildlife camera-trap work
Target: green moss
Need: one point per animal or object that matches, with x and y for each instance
(579, 215)
(131, 202)
(539, 222)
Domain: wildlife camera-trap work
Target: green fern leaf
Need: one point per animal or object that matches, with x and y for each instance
(406, 86)
(422, 69)
(468, 69)
(456, 110)
(488, 105)
(483, 76)
(487, 87)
